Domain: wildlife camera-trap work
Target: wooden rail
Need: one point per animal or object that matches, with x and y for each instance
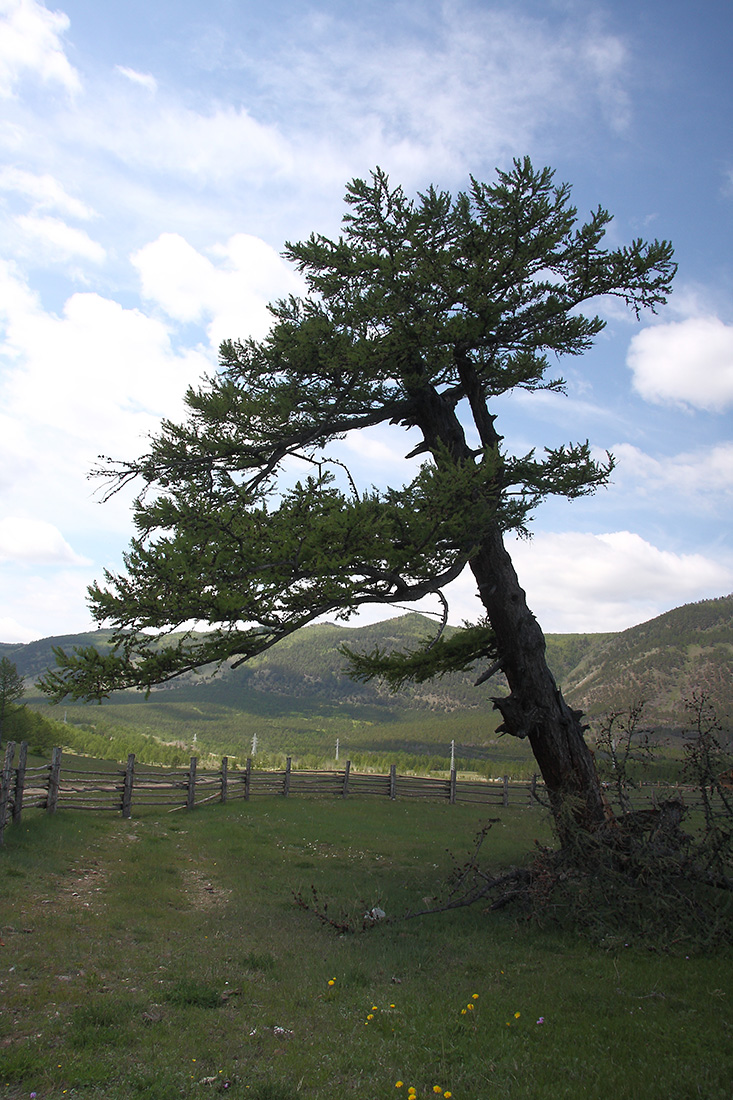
(57, 786)
(64, 785)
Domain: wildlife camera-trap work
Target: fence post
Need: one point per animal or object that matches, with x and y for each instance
(5, 785)
(54, 782)
(224, 778)
(247, 777)
(20, 782)
(393, 781)
(286, 778)
(505, 793)
(127, 786)
(533, 789)
(191, 783)
(345, 789)
(452, 787)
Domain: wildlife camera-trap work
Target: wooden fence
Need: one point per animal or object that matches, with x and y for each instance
(52, 786)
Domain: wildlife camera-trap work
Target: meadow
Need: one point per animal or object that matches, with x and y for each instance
(165, 957)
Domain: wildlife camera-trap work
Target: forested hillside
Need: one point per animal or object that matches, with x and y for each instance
(296, 698)
(308, 665)
(662, 661)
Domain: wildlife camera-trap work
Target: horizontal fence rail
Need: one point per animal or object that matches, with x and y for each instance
(52, 786)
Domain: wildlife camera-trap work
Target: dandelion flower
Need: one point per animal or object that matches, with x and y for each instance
(399, 1084)
(370, 1016)
(438, 1089)
(463, 1012)
(470, 1007)
(517, 1015)
(332, 981)
(447, 1095)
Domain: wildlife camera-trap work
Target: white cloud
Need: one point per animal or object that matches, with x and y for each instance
(224, 144)
(44, 192)
(483, 78)
(54, 241)
(704, 474)
(582, 582)
(45, 603)
(30, 44)
(230, 291)
(35, 542)
(144, 80)
(13, 632)
(687, 363)
(430, 96)
(101, 373)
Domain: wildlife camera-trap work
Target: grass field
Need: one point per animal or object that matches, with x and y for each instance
(164, 957)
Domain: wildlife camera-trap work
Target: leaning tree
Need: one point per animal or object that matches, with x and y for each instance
(421, 314)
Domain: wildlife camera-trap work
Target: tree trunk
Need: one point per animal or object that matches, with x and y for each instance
(535, 707)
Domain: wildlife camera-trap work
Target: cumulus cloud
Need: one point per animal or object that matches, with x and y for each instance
(55, 242)
(92, 380)
(31, 45)
(704, 475)
(44, 192)
(229, 289)
(687, 363)
(584, 582)
(35, 542)
(44, 602)
(102, 372)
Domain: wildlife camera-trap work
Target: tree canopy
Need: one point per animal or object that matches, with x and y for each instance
(420, 314)
(12, 688)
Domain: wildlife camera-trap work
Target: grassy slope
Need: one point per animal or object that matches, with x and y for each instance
(661, 661)
(121, 938)
(297, 702)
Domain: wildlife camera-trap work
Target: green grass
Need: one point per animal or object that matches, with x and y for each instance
(164, 957)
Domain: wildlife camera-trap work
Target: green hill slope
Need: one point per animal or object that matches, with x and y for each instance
(661, 661)
(296, 698)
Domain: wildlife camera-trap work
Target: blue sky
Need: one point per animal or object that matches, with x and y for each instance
(155, 156)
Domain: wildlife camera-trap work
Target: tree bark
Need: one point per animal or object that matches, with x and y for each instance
(535, 707)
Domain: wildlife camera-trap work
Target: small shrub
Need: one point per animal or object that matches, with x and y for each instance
(101, 1023)
(264, 962)
(190, 991)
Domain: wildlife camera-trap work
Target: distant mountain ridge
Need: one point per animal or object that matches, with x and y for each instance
(661, 661)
